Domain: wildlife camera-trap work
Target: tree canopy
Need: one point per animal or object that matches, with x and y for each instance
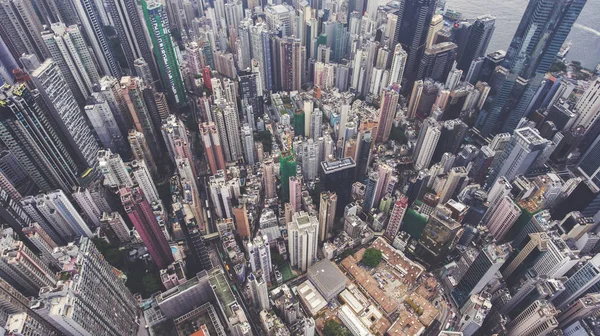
(333, 328)
(372, 257)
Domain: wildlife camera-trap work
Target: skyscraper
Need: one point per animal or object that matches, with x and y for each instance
(28, 134)
(21, 268)
(258, 290)
(426, 144)
(414, 17)
(327, 208)
(70, 52)
(523, 148)
(164, 52)
(140, 213)
(440, 236)
(90, 298)
(579, 282)
(455, 177)
(91, 22)
(502, 217)
(248, 144)
(287, 169)
(481, 271)
(387, 112)
(175, 135)
(259, 255)
(129, 26)
(537, 319)
(113, 169)
(20, 28)
(589, 165)
(227, 121)
(212, 146)
(141, 150)
(539, 37)
(396, 218)
(302, 240)
(103, 120)
(338, 176)
(61, 105)
(480, 34)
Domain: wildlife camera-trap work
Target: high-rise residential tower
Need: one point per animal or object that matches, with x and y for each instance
(164, 51)
(140, 213)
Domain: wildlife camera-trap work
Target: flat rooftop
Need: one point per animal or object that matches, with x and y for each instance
(327, 275)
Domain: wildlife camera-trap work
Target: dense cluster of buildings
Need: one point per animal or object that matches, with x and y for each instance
(255, 157)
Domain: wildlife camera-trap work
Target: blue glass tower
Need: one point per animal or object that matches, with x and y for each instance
(540, 35)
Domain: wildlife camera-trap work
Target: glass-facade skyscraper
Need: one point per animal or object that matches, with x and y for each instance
(539, 37)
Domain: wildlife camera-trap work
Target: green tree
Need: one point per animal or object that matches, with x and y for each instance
(397, 135)
(266, 139)
(372, 257)
(150, 283)
(333, 328)
(558, 66)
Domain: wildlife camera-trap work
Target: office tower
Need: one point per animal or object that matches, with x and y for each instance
(212, 146)
(588, 106)
(537, 319)
(426, 143)
(269, 178)
(479, 36)
(387, 112)
(91, 22)
(502, 217)
(287, 169)
(540, 222)
(175, 135)
(259, 255)
(115, 225)
(164, 52)
(589, 165)
(539, 37)
(21, 268)
(439, 237)
(87, 204)
(579, 282)
(141, 150)
(436, 25)
(229, 132)
(544, 253)
(456, 177)
(69, 51)
(302, 240)
(60, 103)
(523, 148)
(473, 312)
(480, 272)
(411, 31)
(338, 176)
(20, 29)
(248, 144)
(114, 170)
(327, 208)
(126, 20)
(452, 135)
(93, 300)
(140, 213)
(582, 308)
(437, 61)
(396, 217)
